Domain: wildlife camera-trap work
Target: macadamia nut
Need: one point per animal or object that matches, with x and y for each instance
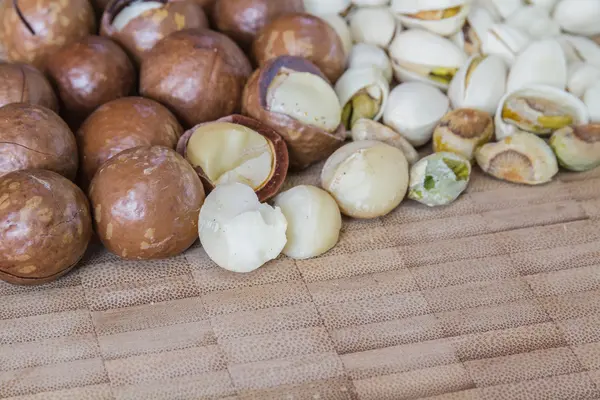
(314, 221)
(368, 179)
(238, 232)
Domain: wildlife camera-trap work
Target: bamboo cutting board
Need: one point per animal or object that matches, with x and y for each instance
(494, 297)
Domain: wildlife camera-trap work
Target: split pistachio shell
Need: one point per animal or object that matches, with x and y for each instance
(501, 9)
(541, 63)
(321, 7)
(522, 158)
(373, 25)
(419, 55)
(535, 21)
(439, 179)
(368, 179)
(366, 55)
(367, 129)
(480, 83)
(442, 17)
(591, 99)
(581, 76)
(579, 48)
(370, 3)
(462, 131)
(362, 93)
(581, 17)
(474, 32)
(415, 109)
(538, 109)
(314, 221)
(577, 147)
(545, 4)
(340, 25)
(505, 41)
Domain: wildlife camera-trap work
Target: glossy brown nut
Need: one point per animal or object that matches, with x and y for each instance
(141, 33)
(241, 20)
(23, 83)
(146, 203)
(31, 30)
(307, 144)
(89, 73)
(123, 124)
(45, 226)
(198, 74)
(278, 147)
(302, 35)
(33, 137)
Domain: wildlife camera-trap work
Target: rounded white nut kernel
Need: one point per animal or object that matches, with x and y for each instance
(238, 232)
(368, 179)
(132, 11)
(314, 221)
(341, 27)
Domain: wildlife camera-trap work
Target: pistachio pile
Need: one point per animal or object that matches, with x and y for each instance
(175, 131)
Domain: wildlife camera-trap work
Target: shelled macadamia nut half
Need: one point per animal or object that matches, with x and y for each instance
(368, 179)
(294, 98)
(237, 149)
(138, 25)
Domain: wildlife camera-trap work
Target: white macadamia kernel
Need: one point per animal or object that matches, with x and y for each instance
(133, 11)
(314, 221)
(368, 179)
(238, 232)
(305, 97)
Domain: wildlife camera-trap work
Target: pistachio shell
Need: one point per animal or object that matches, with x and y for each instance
(505, 41)
(579, 48)
(541, 63)
(417, 54)
(474, 32)
(321, 7)
(581, 77)
(373, 25)
(522, 158)
(535, 21)
(591, 98)
(366, 55)
(501, 9)
(415, 108)
(577, 147)
(481, 86)
(565, 102)
(411, 14)
(370, 3)
(366, 129)
(368, 81)
(580, 18)
(462, 131)
(546, 4)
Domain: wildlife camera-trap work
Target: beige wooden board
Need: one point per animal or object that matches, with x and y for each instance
(494, 297)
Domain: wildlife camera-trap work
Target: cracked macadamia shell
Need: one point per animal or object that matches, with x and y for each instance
(32, 137)
(241, 20)
(198, 74)
(238, 232)
(45, 226)
(123, 124)
(138, 25)
(302, 35)
(89, 73)
(237, 149)
(294, 98)
(314, 221)
(31, 30)
(146, 203)
(577, 148)
(23, 83)
(368, 179)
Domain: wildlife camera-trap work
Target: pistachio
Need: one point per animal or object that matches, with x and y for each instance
(580, 18)
(370, 3)
(462, 131)
(366, 129)
(501, 9)
(521, 158)
(439, 179)
(577, 148)
(341, 27)
(505, 41)
(320, 7)
(444, 17)
(591, 99)
(535, 21)
(580, 49)
(367, 55)
(581, 76)
(474, 31)
(542, 63)
(373, 25)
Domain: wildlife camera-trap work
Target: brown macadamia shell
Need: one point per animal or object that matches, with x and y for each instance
(241, 20)
(23, 83)
(143, 32)
(146, 203)
(278, 146)
(32, 30)
(307, 144)
(198, 74)
(89, 73)
(120, 125)
(34, 137)
(45, 226)
(302, 35)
